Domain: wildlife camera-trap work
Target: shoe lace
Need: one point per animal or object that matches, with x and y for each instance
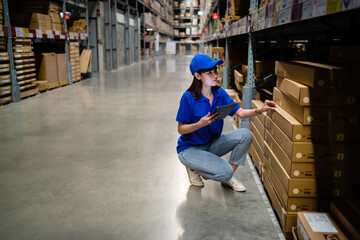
(197, 175)
(235, 181)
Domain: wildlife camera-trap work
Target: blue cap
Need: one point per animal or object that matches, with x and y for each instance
(202, 61)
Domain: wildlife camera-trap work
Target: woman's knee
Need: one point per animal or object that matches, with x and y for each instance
(245, 135)
(224, 174)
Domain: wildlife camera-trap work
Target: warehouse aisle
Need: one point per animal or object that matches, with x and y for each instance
(97, 160)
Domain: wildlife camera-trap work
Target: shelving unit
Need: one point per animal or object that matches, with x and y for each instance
(156, 24)
(285, 31)
(24, 36)
(5, 79)
(25, 67)
(186, 26)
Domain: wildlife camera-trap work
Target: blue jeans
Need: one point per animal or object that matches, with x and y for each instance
(206, 159)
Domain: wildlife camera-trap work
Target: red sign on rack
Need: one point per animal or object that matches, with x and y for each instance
(215, 16)
(66, 16)
(206, 29)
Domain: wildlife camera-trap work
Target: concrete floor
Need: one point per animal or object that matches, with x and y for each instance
(97, 160)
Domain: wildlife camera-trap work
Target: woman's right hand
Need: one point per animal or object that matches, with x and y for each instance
(208, 119)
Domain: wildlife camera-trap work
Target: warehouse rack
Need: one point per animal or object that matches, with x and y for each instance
(21, 38)
(288, 36)
(153, 33)
(186, 25)
(250, 27)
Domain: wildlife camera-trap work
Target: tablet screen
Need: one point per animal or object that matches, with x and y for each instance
(224, 110)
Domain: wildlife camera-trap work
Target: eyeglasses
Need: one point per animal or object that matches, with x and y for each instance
(210, 73)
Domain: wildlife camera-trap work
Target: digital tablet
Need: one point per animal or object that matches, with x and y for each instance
(224, 110)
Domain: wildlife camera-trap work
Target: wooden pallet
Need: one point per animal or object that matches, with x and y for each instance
(53, 85)
(28, 93)
(63, 83)
(5, 100)
(43, 88)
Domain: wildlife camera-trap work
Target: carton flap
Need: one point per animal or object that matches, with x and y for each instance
(286, 115)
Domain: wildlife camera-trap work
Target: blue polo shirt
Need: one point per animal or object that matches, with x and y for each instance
(191, 110)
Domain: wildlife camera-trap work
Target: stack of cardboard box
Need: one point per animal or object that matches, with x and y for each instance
(5, 79)
(78, 26)
(323, 97)
(309, 140)
(62, 73)
(40, 21)
(52, 71)
(25, 67)
(74, 55)
(47, 72)
(240, 78)
(54, 13)
(235, 96)
(1, 14)
(256, 150)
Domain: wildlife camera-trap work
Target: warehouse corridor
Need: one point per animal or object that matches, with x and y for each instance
(97, 160)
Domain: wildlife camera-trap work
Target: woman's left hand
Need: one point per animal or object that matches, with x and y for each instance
(267, 106)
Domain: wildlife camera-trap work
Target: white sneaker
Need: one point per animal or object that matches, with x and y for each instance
(194, 178)
(235, 184)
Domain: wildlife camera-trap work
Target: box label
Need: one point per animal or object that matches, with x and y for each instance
(320, 223)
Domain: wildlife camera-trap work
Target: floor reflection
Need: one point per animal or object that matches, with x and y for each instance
(208, 214)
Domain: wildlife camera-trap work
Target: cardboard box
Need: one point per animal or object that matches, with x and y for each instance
(316, 115)
(258, 163)
(305, 96)
(302, 156)
(290, 126)
(2, 66)
(61, 67)
(259, 126)
(319, 134)
(238, 77)
(293, 187)
(48, 68)
(259, 104)
(290, 204)
(317, 226)
(233, 94)
(287, 219)
(293, 169)
(25, 71)
(314, 74)
(257, 136)
(258, 148)
(36, 17)
(5, 90)
(346, 214)
(301, 151)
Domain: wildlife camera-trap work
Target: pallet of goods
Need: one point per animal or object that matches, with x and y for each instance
(24, 62)
(1, 14)
(305, 148)
(5, 79)
(74, 56)
(78, 26)
(37, 14)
